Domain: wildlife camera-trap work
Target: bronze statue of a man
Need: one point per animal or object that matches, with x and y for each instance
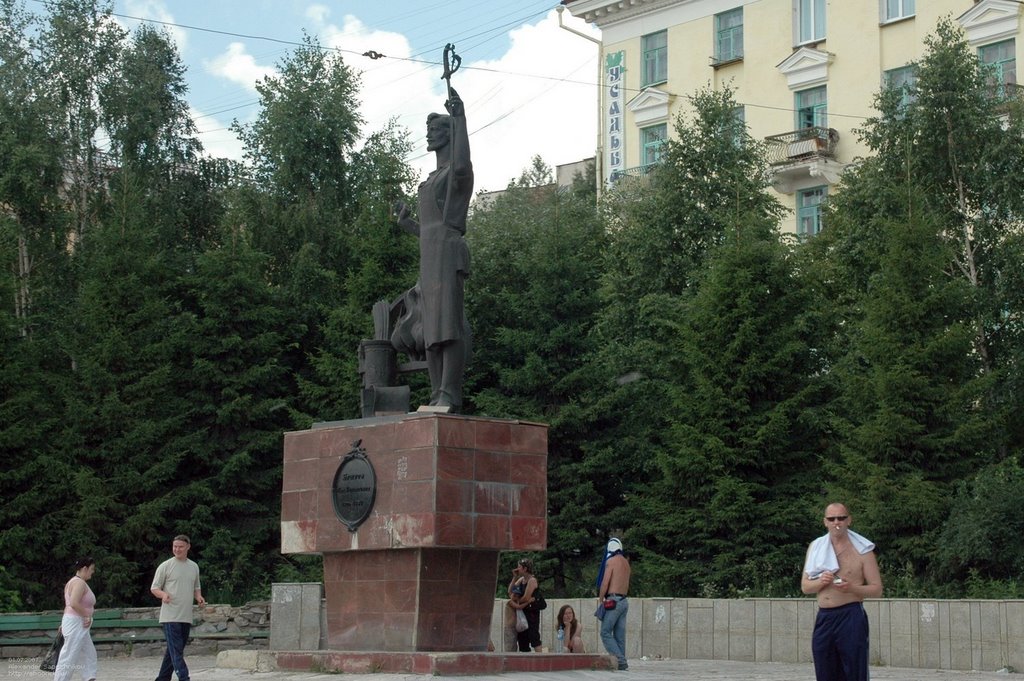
(444, 256)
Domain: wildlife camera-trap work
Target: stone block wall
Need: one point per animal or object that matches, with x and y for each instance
(914, 633)
(216, 628)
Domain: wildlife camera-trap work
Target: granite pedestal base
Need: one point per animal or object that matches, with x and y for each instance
(437, 664)
(452, 492)
(410, 599)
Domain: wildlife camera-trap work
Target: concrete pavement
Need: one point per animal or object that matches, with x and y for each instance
(204, 668)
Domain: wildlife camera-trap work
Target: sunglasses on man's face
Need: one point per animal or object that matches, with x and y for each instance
(836, 518)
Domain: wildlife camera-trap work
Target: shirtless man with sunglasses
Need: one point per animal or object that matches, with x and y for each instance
(840, 641)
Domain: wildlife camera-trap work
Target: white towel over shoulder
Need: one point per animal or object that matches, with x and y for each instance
(821, 557)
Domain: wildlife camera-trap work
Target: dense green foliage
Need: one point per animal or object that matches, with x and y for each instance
(173, 315)
(924, 336)
(533, 299)
(709, 384)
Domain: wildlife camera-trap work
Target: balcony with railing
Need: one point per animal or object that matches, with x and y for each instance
(799, 146)
(635, 172)
(808, 152)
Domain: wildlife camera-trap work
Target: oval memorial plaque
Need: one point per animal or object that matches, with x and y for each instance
(354, 488)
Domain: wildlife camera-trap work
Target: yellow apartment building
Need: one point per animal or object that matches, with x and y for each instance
(804, 72)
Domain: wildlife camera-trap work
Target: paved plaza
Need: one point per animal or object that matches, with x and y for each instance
(204, 668)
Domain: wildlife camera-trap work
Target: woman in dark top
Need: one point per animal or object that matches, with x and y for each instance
(531, 637)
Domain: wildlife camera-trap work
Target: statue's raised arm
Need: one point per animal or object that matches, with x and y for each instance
(461, 164)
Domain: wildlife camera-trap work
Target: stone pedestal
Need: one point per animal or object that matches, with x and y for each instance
(295, 624)
(452, 492)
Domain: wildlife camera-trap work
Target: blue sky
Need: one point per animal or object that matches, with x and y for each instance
(529, 86)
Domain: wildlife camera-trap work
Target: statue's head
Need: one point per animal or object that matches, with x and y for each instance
(438, 131)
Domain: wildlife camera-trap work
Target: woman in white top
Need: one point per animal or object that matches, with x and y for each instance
(78, 653)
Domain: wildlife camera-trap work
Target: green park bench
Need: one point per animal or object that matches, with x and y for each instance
(106, 619)
(103, 625)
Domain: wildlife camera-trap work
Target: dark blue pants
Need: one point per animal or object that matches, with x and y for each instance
(176, 635)
(840, 644)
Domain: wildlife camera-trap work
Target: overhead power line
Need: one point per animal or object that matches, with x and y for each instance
(377, 56)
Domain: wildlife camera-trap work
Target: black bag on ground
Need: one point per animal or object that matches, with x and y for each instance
(49, 663)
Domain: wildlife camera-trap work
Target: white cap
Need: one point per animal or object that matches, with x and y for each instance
(613, 545)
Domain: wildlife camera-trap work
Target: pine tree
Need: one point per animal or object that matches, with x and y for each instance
(532, 299)
(223, 484)
(710, 184)
(912, 273)
(383, 264)
(709, 175)
(744, 438)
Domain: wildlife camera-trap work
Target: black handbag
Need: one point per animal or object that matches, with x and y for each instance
(49, 663)
(538, 601)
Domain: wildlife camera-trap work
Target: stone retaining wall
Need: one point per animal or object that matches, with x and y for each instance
(914, 633)
(226, 627)
(966, 635)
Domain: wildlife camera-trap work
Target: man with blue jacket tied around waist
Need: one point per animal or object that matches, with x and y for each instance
(613, 587)
(842, 570)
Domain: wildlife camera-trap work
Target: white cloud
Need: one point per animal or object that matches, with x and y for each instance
(219, 141)
(153, 9)
(318, 13)
(387, 84)
(238, 66)
(538, 99)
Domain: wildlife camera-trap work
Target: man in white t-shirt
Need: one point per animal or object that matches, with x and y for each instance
(176, 584)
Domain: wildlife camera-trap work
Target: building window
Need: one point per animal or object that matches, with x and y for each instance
(812, 108)
(808, 210)
(655, 51)
(904, 79)
(897, 9)
(810, 20)
(651, 140)
(729, 35)
(1001, 60)
(739, 128)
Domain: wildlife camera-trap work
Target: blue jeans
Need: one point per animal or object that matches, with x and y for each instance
(176, 635)
(613, 632)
